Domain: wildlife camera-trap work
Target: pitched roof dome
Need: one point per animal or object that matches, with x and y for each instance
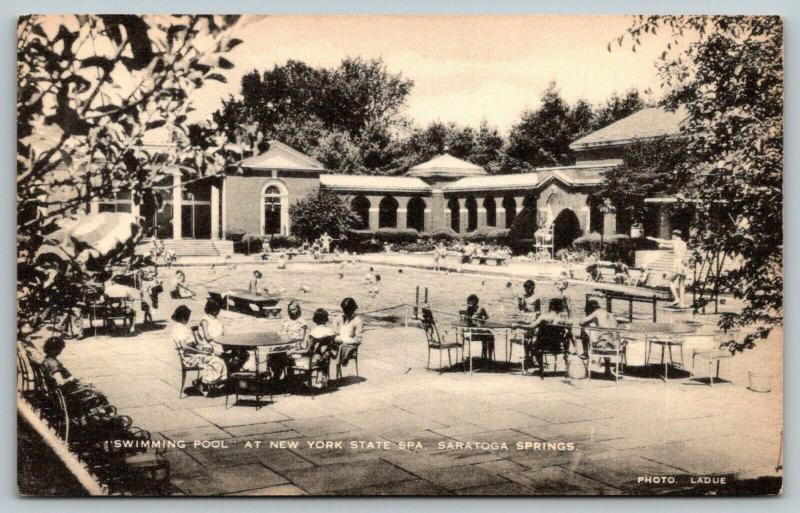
(446, 165)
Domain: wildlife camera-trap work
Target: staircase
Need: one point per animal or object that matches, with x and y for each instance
(194, 248)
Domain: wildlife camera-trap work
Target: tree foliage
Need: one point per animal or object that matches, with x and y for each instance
(89, 90)
(484, 146)
(729, 76)
(543, 135)
(345, 116)
(319, 212)
(649, 169)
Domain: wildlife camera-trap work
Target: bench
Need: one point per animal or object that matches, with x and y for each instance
(482, 259)
(610, 295)
(109, 313)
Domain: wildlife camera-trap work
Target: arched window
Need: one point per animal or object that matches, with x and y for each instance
(360, 206)
(387, 213)
(416, 214)
(491, 211)
(454, 214)
(472, 214)
(510, 206)
(272, 210)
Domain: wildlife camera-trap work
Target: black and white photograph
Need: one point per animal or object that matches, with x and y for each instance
(408, 255)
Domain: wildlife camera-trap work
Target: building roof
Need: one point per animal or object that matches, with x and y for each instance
(494, 182)
(644, 124)
(446, 165)
(281, 156)
(373, 183)
(573, 175)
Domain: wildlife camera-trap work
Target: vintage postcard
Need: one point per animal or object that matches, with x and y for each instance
(399, 255)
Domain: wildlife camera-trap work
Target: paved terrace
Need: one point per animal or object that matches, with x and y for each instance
(639, 427)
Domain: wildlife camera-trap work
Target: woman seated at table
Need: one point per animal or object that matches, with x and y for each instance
(319, 330)
(556, 315)
(181, 291)
(605, 337)
(211, 329)
(475, 312)
(198, 353)
(528, 302)
(351, 330)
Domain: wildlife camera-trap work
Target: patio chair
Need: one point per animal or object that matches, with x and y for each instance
(608, 343)
(246, 382)
(525, 341)
(317, 361)
(182, 356)
(24, 374)
(437, 342)
(550, 339)
(714, 355)
(477, 334)
(353, 356)
(50, 401)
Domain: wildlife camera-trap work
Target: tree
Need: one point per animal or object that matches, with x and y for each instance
(89, 89)
(649, 169)
(320, 212)
(484, 146)
(618, 107)
(542, 137)
(730, 79)
(344, 116)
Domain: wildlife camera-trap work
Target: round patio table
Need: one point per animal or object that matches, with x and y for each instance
(665, 335)
(464, 325)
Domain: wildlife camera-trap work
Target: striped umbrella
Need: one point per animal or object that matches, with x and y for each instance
(97, 235)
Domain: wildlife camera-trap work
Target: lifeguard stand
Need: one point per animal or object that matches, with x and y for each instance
(544, 240)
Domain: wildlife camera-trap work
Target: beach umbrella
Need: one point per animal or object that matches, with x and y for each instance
(101, 234)
(92, 236)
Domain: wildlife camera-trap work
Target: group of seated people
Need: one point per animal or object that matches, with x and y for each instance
(216, 361)
(558, 314)
(621, 272)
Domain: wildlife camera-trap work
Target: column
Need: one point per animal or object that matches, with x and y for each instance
(374, 201)
(664, 231)
(224, 215)
(520, 203)
(177, 205)
(481, 213)
(94, 206)
(214, 212)
(428, 223)
(402, 211)
(587, 216)
(500, 213)
(609, 224)
(462, 215)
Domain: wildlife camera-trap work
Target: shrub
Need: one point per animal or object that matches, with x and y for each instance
(320, 212)
(489, 235)
(520, 246)
(282, 241)
(234, 235)
(414, 247)
(524, 225)
(586, 244)
(619, 247)
(396, 235)
(361, 241)
(442, 235)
